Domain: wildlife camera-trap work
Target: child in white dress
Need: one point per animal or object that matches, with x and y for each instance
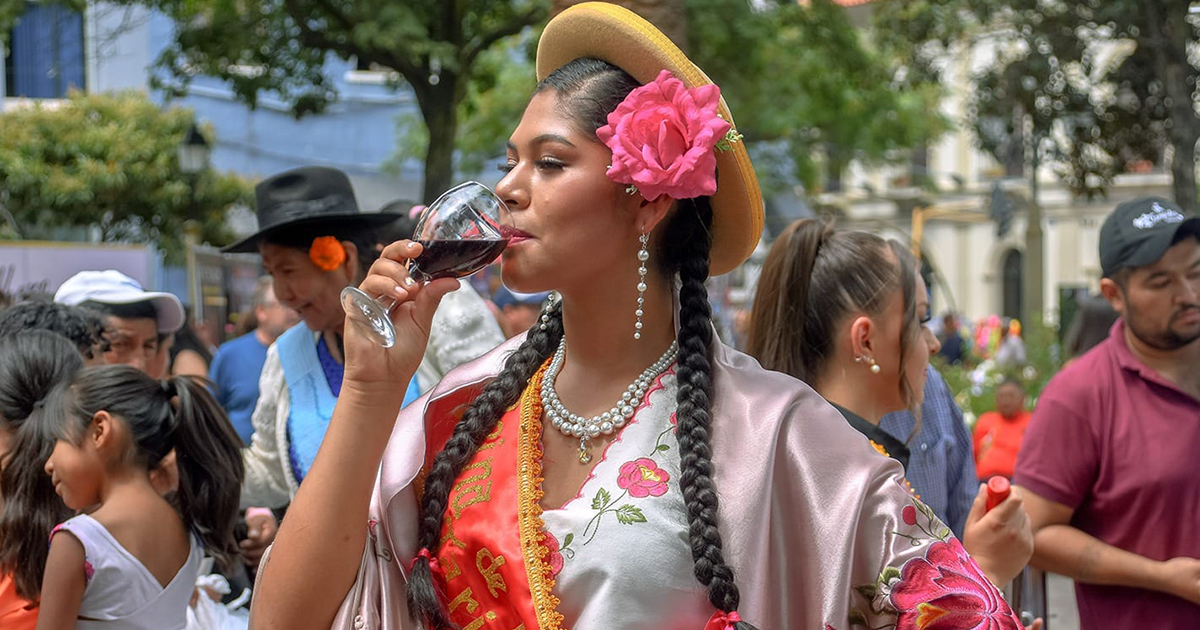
(131, 561)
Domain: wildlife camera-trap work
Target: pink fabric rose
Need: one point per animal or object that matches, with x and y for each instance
(945, 590)
(909, 514)
(554, 558)
(663, 138)
(643, 478)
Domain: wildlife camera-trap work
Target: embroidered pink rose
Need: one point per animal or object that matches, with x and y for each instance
(663, 138)
(945, 590)
(909, 514)
(88, 571)
(554, 558)
(643, 478)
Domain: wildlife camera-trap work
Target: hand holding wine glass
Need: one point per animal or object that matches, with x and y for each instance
(459, 234)
(410, 316)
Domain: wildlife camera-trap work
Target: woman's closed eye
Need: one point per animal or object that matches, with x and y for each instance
(544, 164)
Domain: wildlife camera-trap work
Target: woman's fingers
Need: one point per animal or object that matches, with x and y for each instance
(401, 251)
(389, 277)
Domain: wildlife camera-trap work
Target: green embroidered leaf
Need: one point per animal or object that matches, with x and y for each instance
(628, 514)
(567, 540)
(601, 499)
(943, 533)
(857, 618)
(663, 447)
(868, 591)
(889, 574)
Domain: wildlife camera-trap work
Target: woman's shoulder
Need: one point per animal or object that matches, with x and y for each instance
(768, 422)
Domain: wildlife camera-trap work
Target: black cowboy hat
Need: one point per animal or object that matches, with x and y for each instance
(309, 194)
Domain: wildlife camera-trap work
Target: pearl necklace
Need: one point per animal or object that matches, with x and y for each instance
(585, 429)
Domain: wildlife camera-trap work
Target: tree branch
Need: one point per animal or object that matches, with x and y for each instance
(484, 41)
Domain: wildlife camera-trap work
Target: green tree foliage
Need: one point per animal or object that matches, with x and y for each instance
(280, 47)
(1095, 85)
(109, 163)
(804, 74)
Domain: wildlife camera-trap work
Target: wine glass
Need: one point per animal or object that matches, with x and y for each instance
(460, 233)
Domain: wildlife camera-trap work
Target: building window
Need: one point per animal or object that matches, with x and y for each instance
(45, 56)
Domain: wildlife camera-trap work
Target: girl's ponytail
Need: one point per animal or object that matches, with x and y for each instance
(178, 415)
(209, 459)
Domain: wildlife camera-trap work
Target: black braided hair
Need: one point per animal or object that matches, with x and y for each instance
(478, 421)
(685, 249)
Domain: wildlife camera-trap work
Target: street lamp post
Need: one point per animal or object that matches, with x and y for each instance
(193, 161)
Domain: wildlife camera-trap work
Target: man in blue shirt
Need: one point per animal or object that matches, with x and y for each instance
(239, 362)
(941, 466)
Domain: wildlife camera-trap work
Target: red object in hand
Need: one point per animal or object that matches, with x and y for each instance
(998, 490)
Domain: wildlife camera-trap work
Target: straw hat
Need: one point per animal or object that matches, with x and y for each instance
(618, 36)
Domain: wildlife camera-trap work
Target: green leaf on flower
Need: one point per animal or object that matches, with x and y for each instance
(663, 447)
(889, 574)
(867, 591)
(601, 499)
(943, 533)
(567, 540)
(628, 514)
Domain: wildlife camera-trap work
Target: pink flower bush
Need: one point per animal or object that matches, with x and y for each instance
(663, 138)
(945, 590)
(554, 558)
(643, 478)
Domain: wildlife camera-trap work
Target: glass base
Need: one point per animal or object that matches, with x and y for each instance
(370, 314)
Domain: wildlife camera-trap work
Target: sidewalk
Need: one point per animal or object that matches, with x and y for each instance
(1060, 603)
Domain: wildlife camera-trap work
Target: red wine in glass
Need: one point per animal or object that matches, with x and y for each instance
(454, 259)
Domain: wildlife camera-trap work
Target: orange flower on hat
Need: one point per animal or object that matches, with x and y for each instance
(327, 253)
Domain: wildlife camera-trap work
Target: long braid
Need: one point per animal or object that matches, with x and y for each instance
(479, 420)
(686, 247)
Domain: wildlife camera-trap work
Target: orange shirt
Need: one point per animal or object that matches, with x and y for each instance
(15, 613)
(997, 440)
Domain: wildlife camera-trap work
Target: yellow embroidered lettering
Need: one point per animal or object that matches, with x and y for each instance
(493, 439)
(478, 623)
(452, 568)
(490, 572)
(473, 488)
(464, 598)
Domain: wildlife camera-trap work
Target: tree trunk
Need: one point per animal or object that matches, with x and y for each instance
(439, 108)
(1169, 38)
(670, 16)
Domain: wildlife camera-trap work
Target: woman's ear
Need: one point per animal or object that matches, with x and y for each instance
(862, 332)
(651, 213)
(350, 266)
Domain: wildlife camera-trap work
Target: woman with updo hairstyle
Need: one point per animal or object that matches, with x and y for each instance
(617, 466)
(845, 311)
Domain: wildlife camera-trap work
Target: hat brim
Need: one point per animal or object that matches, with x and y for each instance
(168, 310)
(619, 36)
(368, 219)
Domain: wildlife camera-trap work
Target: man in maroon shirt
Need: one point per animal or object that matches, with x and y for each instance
(1110, 465)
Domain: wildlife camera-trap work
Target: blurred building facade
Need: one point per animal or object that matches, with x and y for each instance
(975, 270)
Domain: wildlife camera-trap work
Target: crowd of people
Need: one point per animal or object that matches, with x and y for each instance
(478, 474)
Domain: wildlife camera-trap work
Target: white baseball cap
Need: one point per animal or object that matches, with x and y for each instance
(113, 287)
